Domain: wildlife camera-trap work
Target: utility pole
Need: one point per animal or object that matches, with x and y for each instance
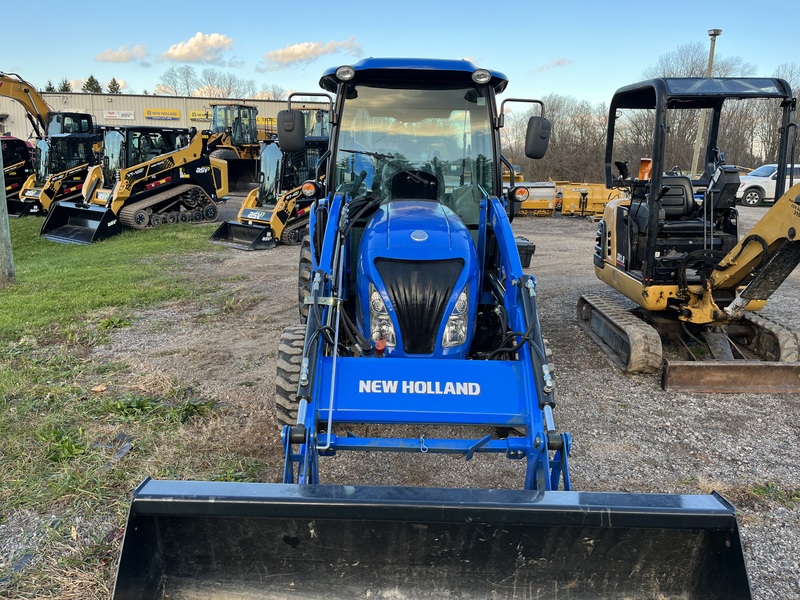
(7, 274)
(713, 34)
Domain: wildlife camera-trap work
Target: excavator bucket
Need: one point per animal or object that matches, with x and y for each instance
(243, 236)
(80, 223)
(196, 539)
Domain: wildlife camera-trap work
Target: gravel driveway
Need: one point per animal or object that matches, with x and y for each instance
(629, 434)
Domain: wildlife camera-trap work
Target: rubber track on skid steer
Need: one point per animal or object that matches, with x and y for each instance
(126, 213)
(290, 229)
(633, 345)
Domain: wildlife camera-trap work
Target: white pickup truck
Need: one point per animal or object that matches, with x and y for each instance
(758, 186)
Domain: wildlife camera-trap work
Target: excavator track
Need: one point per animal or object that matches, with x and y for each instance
(197, 205)
(773, 341)
(631, 343)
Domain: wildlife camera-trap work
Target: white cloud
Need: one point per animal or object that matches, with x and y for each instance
(307, 52)
(554, 64)
(202, 48)
(123, 54)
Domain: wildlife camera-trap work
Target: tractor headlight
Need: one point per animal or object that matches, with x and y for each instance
(455, 330)
(380, 323)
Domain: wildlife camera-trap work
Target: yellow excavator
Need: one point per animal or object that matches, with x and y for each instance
(276, 211)
(149, 176)
(674, 247)
(65, 149)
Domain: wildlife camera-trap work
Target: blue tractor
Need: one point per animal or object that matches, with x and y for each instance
(417, 314)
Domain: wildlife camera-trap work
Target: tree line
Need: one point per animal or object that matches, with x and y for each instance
(185, 81)
(577, 143)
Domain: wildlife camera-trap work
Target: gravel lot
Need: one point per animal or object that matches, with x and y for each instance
(629, 435)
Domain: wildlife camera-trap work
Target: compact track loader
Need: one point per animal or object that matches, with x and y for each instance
(62, 165)
(149, 176)
(235, 138)
(418, 318)
(17, 166)
(63, 151)
(696, 281)
(276, 211)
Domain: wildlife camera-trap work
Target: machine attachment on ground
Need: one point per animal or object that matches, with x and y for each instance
(674, 248)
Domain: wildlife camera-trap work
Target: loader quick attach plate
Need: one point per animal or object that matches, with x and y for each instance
(236, 540)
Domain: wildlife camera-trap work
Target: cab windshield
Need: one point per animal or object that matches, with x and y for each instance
(763, 171)
(68, 153)
(441, 136)
(113, 155)
(42, 161)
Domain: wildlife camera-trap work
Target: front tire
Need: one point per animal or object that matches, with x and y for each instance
(290, 355)
(752, 197)
(304, 276)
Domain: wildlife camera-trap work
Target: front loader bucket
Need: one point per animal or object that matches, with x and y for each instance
(244, 237)
(196, 539)
(79, 223)
(20, 208)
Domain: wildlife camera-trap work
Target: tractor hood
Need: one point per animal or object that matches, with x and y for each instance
(420, 257)
(413, 229)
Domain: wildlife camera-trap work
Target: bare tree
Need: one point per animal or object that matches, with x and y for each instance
(177, 81)
(270, 92)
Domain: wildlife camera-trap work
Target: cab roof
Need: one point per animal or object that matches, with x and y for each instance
(698, 92)
(417, 70)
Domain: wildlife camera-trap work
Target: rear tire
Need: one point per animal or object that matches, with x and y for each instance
(304, 276)
(752, 197)
(290, 354)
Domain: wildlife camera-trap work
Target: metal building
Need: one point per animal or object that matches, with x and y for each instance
(136, 109)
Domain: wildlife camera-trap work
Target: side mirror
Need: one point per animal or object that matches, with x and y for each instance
(291, 130)
(537, 137)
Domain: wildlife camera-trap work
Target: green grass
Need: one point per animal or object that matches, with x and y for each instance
(61, 283)
(77, 435)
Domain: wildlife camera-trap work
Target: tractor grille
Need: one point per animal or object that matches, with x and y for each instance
(419, 291)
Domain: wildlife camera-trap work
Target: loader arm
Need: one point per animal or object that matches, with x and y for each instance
(766, 255)
(14, 87)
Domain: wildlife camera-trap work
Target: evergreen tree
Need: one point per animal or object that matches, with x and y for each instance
(113, 86)
(92, 86)
(49, 87)
(64, 86)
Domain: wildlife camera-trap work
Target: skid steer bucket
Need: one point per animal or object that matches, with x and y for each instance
(244, 237)
(79, 223)
(198, 539)
(20, 208)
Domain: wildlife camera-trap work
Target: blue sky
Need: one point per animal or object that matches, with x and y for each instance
(576, 48)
